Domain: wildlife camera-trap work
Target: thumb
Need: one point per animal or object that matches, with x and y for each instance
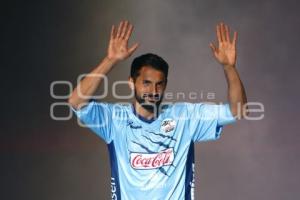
(133, 48)
(213, 49)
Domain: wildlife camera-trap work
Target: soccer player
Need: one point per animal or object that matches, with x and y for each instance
(150, 143)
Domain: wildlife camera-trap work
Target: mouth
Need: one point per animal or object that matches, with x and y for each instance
(151, 98)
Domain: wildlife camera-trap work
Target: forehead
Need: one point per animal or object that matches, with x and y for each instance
(149, 73)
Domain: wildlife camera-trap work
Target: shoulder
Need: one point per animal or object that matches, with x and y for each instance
(101, 106)
(188, 108)
(179, 107)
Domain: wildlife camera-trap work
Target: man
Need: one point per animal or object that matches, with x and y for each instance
(151, 144)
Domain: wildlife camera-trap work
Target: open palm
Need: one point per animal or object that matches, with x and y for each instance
(225, 53)
(118, 44)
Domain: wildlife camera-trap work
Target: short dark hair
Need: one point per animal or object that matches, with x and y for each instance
(150, 60)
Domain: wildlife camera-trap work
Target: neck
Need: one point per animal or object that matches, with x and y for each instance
(140, 110)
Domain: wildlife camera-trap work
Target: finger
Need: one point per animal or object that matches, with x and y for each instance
(112, 32)
(223, 35)
(124, 30)
(219, 33)
(129, 31)
(120, 29)
(235, 35)
(133, 48)
(227, 33)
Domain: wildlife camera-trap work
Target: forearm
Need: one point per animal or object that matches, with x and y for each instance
(236, 91)
(89, 84)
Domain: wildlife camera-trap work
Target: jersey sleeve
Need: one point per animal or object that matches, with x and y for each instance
(206, 121)
(97, 117)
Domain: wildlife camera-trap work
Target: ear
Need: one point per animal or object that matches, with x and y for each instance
(131, 83)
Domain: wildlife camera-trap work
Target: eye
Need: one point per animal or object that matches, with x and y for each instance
(145, 82)
(160, 84)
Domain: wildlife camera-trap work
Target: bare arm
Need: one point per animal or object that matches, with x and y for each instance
(226, 55)
(117, 51)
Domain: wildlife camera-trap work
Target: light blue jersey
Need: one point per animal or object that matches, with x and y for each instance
(154, 160)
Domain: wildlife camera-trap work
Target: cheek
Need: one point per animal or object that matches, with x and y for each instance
(139, 90)
(160, 89)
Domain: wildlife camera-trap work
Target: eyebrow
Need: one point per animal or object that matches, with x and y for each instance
(148, 81)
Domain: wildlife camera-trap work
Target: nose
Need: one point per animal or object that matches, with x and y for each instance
(155, 89)
(154, 92)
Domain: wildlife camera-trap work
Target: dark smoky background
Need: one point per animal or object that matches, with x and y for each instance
(48, 44)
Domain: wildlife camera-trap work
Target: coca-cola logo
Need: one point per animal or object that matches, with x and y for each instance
(152, 160)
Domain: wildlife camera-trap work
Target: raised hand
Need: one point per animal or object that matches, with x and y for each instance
(118, 44)
(225, 53)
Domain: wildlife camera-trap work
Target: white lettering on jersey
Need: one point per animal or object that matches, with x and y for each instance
(192, 183)
(113, 189)
(152, 160)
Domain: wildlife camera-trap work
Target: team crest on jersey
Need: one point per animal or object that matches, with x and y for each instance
(167, 125)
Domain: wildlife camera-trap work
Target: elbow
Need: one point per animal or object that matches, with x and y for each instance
(72, 103)
(244, 111)
(76, 102)
(240, 111)
(70, 100)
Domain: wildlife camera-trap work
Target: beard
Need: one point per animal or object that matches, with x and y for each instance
(150, 106)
